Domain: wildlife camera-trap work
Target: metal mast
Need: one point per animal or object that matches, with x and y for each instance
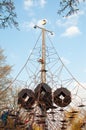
(43, 63)
(43, 59)
(43, 66)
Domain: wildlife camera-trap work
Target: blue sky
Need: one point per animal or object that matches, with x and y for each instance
(69, 39)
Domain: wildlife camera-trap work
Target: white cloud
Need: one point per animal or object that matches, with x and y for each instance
(42, 3)
(71, 31)
(81, 12)
(28, 4)
(69, 21)
(29, 25)
(70, 24)
(80, 1)
(31, 3)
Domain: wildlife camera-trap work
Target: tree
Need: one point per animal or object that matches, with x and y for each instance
(68, 7)
(75, 119)
(7, 14)
(4, 79)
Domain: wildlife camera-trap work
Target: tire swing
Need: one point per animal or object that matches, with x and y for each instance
(43, 96)
(62, 97)
(26, 98)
